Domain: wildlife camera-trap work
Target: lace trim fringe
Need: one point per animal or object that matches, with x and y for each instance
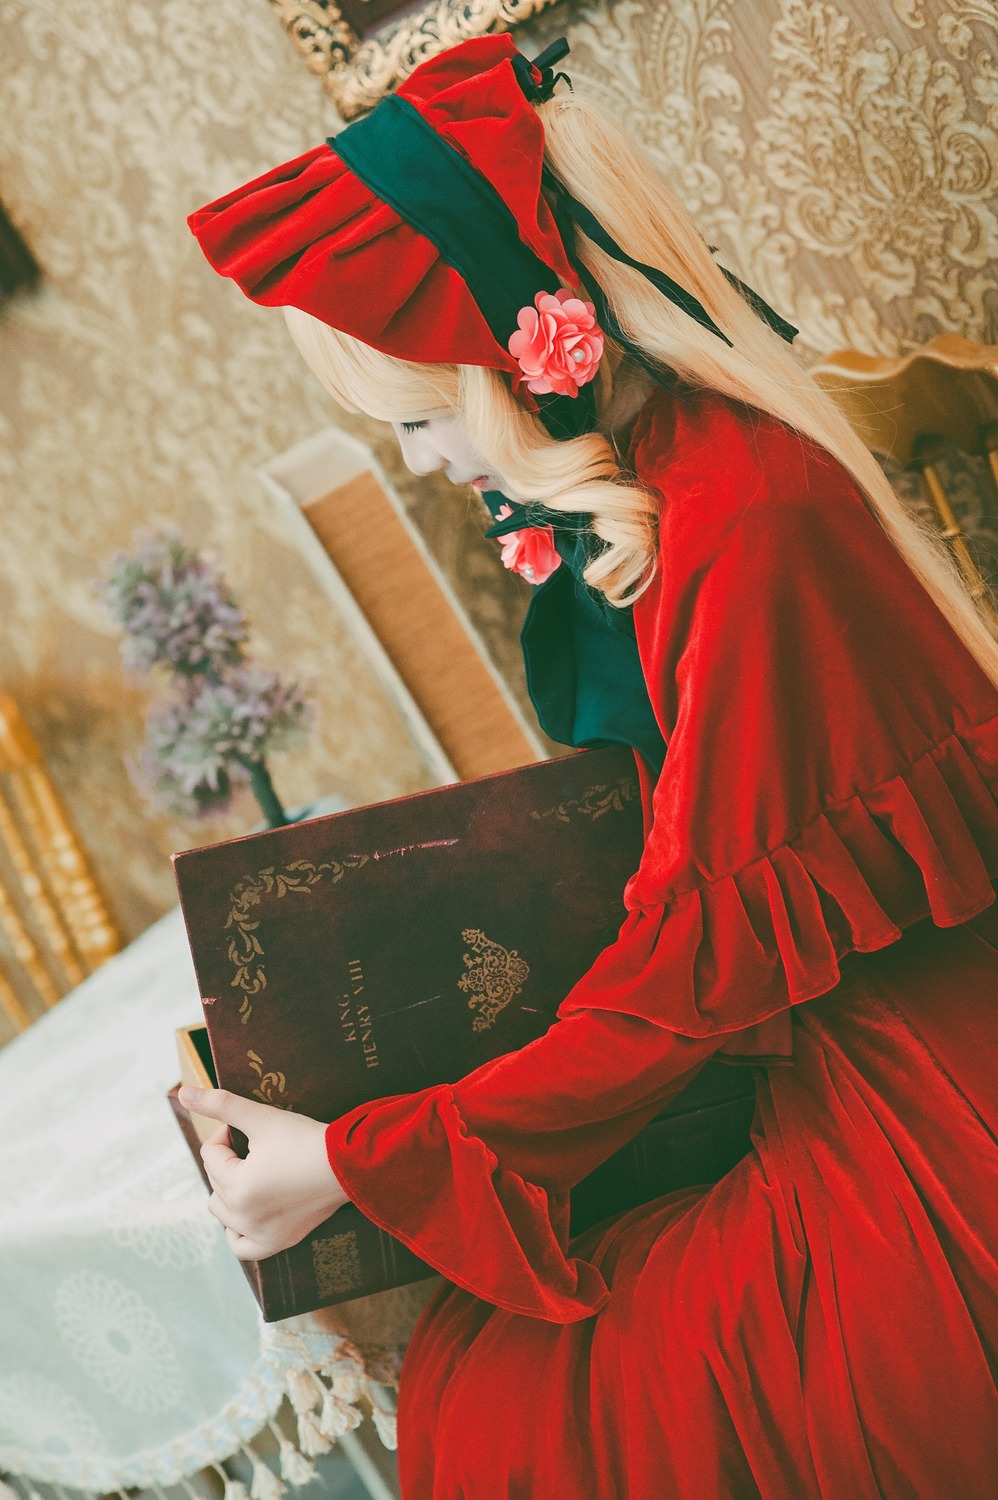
(321, 1394)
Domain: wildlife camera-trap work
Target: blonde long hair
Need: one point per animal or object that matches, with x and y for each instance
(588, 152)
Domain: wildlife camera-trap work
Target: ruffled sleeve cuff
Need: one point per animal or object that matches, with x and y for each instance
(735, 951)
(411, 1166)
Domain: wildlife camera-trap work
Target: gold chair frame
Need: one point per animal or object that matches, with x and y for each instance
(909, 408)
(52, 915)
(358, 73)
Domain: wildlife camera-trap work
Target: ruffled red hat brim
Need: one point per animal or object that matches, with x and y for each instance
(310, 234)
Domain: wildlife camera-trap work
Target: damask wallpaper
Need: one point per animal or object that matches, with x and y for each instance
(139, 389)
(842, 155)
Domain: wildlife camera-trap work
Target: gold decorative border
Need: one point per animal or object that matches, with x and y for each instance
(593, 803)
(271, 1087)
(357, 74)
(245, 950)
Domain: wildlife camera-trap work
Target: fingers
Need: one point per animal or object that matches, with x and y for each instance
(225, 1214)
(243, 1248)
(228, 1217)
(218, 1157)
(269, 1199)
(242, 1245)
(220, 1104)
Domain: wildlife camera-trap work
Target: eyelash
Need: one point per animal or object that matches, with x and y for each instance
(411, 426)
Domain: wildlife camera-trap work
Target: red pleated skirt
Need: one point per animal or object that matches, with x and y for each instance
(822, 1322)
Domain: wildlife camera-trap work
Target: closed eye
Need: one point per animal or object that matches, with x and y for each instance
(411, 426)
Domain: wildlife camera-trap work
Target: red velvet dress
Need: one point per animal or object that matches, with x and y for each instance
(816, 880)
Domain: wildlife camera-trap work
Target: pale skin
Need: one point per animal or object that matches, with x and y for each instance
(442, 442)
(284, 1187)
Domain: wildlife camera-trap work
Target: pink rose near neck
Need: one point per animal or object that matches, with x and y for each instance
(558, 345)
(530, 552)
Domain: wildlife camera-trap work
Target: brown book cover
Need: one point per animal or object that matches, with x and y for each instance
(384, 949)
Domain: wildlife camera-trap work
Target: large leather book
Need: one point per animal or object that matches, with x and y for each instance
(388, 948)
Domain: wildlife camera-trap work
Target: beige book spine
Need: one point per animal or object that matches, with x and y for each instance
(194, 1073)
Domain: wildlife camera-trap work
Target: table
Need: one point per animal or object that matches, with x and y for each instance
(131, 1349)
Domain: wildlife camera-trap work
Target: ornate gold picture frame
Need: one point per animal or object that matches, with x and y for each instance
(359, 69)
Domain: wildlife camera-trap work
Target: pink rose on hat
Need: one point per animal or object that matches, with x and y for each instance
(530, 552)
(558, 344)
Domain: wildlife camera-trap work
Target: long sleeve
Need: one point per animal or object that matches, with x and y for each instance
(474, 1177)
(830, 780)
(833, 746)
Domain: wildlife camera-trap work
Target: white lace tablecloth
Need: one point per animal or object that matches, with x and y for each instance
(131, 1349)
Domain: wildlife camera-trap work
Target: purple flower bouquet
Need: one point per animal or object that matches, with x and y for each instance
(225, 714)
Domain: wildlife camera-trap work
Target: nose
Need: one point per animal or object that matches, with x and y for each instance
(419, 454)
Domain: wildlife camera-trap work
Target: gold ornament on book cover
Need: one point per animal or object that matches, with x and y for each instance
(336, 1262)
(245, 949)
(493, 976)
(271, 1086)
(593, 803)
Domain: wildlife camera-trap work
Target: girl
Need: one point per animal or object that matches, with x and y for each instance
(730, 586)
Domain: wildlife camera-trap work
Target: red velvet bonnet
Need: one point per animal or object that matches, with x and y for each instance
(422, 230)
(310, 234)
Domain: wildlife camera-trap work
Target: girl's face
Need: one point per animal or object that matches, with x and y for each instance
(443, 443)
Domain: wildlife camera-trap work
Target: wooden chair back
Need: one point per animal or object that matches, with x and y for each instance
(909, 408)
(55, 926)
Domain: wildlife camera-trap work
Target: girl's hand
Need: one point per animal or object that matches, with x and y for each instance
(282, 1190)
